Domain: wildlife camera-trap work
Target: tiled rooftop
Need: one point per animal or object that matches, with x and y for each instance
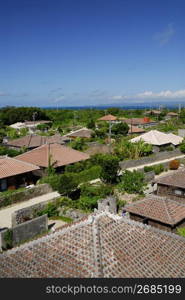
(158, 208)
(60, 155)
(176, 179)
(10, 167)
(103, 245)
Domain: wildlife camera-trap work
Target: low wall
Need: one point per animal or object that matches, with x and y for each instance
(29, 229)
(150, 159)
(28, 213)
(23, 232)
(24, 195)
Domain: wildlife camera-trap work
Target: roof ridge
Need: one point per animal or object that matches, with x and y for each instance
(24, 162)
(167, 210)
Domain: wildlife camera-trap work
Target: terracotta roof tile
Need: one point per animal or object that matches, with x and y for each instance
(176, 179)
(83, 133)
(108, 118)
(103, 245)
(60, 155)
(11, 167)
(158, 208)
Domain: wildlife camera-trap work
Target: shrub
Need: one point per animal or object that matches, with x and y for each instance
(52, 180)
(148, 169)
(100, 191)
(158, 169)
(67, 183)
(121, 203)
(132, 182)
(182, 147)
(181, 231)
(87, 203)
(174, 164)
(89, 174)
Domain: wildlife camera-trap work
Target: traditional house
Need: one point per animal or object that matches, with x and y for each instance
(135, 130)
(80, 133)
(172, 186)
(108, 118)
(160, 212)
(126, 249)
(141, 122)
(153, 112)
(33, 141)
(56, 155)
(159, 139)
(15, 173)
(171, 115)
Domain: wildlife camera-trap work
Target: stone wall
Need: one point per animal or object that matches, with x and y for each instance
(28, 213)
(29, 229)
(108, 203)
(24, 232)
(24, 195)
(150, 159)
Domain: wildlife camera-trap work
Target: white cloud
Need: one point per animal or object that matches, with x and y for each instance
(165, 36)
(163, 94)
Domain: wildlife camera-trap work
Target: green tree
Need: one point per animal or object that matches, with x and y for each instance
(132, 182)
(67, 184)
(120, 128)
(91, 124)
(79, 144)
(110, 167)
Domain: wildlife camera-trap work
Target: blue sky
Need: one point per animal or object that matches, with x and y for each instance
(90, 52)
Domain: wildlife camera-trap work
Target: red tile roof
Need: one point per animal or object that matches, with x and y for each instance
(108, 118)
(176, 179)
(11, 167)
(33, 141)
(138, 121)
(102, 245)
(159, 209)
(135, 129)
(60, 155)
(82, 133)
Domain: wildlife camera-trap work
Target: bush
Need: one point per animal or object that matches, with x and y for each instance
(52, 180)
(132, 182)
(158, 169)
(68, 182)
(110, 167)
(87, 203)
(181, 231)
(100, 191)
(121, 203)
(174, 164)
(50, 210)
(89, 174)
(182, 147)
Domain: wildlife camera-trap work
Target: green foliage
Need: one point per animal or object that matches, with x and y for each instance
(121, 203)
(8, 238)
(10, 152)
(10, 115)
(101, 132)
(79, 144)
(124, 149)
(132, 182)
(120, 129)
(182, 146)
(52, 180)
(156, 168)
(109, 167)
(87, 203)
(91, 124)
(181, 231)
(89, 174)
(50, 210)
(100, 191)
(68, 182)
